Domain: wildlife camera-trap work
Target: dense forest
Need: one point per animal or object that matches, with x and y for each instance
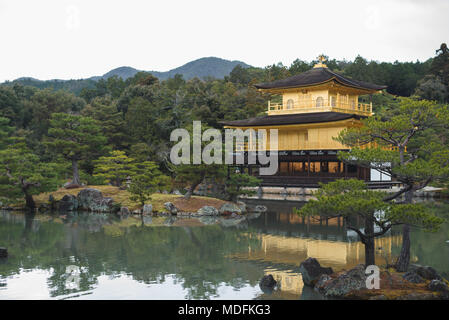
(74, 127)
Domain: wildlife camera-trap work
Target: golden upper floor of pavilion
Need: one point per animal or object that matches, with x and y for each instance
(319, 90)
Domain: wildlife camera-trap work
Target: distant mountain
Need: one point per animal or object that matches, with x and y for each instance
(201, 68)
(121, 72)
(210, 67)
(30, 79)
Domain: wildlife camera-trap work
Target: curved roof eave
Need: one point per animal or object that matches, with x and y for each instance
(318, 83)
(292, 119)
(326, 75)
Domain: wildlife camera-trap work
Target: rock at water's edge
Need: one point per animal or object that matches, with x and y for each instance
(229, 208)
(171, 207)
(207, 211)
(311, 270)
(68, 203)
(353, 280)
(92, 200)
(260, 208)
(322, 282)
(267, 283)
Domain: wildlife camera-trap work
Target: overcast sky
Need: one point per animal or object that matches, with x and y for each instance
(77, 39)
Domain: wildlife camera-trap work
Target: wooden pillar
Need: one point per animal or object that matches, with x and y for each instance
(308, 165)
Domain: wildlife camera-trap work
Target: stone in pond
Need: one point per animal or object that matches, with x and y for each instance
(207, 211)
(230, 208)
(68, 203)
(353, 280)
(260, 208)
(267, 283)
(92, 200)
(311, 270)
(171, 207)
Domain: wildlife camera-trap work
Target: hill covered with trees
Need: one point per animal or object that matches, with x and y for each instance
(69, 130)
(210, 67)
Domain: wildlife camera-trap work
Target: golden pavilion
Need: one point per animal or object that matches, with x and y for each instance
(312, 108)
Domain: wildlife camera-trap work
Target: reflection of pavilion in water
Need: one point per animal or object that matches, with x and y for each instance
(287, 240)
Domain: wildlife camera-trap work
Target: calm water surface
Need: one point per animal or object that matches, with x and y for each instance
(96, 256)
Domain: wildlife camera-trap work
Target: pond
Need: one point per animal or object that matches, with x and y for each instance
(99, 256)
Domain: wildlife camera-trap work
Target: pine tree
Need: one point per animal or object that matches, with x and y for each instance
(350, 198)
(148, 180)
(115, 168)
(407, 143)
(75, 138)
(22, 174)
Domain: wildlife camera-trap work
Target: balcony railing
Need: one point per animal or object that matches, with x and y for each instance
(318, 105)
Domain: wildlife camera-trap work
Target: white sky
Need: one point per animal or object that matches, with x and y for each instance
(77, 39)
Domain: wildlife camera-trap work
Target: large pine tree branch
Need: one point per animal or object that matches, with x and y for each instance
(359, 233)
(398, 194)
(384, 230)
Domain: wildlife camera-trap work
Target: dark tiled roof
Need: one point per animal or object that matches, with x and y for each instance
(316, 76)
(300, 118)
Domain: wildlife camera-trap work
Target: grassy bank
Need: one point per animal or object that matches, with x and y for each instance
(122, 197)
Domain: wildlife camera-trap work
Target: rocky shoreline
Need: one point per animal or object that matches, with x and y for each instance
(418, 283)
(93, 200)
